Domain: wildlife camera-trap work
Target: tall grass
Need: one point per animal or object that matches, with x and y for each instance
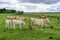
(48, 33)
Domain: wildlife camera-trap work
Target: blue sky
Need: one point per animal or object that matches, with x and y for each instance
(32, 5)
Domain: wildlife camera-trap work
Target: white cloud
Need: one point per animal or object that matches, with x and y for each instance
(14, 4)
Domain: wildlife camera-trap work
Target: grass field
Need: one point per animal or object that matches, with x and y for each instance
(48, 33)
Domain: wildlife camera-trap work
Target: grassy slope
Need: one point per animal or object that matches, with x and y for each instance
(26, 34)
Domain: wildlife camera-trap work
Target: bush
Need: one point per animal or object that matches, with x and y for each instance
(19, 12)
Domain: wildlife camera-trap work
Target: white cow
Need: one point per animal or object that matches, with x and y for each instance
(8, 23)
(21, 23)
(40, 22)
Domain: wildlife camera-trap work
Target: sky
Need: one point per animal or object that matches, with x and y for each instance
(31, 5)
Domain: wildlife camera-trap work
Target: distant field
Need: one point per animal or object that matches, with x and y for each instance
(44, 13)
(48, 33)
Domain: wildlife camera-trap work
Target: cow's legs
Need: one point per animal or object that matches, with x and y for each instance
(14, 26)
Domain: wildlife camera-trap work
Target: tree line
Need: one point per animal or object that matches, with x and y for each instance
(7, 11)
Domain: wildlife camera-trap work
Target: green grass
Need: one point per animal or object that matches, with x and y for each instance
(25, 33)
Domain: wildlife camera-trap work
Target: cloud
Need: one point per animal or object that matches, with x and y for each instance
(40, 1)
(28, 6)
(42, 7)
(55, 7)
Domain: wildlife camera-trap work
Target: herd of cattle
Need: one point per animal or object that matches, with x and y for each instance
(12, 21)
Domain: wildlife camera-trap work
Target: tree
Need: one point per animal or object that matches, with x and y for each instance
(21, 12)
(1, 11)
(13, 11)
(4, 9)
(8, 11)
(18, 12)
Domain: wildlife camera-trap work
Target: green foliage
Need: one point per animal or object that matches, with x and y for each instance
(4, 9)
(8, 11)
(1, 11)
(19, 12)
(13, 11)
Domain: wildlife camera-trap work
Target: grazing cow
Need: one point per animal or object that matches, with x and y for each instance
(11, 17)
(14, 22)
(43, 16)
(8, 23)
(22, 18)
(21, 23)
(40, 22)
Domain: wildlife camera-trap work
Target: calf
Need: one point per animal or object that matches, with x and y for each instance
(21, 23)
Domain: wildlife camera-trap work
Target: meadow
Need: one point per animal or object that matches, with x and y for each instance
(49, 32)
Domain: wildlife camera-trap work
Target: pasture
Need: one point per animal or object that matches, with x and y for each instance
(49, 32)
